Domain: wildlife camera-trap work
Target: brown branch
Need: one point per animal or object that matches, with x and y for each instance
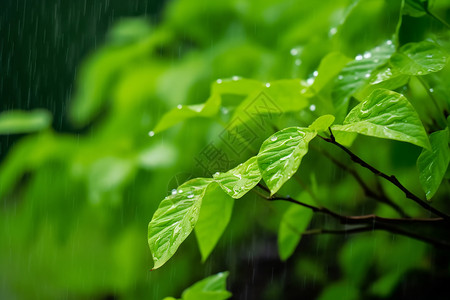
(367, 191)
(391, 178)
(391, 229)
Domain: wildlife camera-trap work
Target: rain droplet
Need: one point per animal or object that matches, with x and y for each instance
(235, 78)
(359, 57)
(190, 196)
(431, 90)
(367, 55)
(267, 84)
(420, 72)
(219, 81)
(340, 77)
(294, 51)
(180, 191)
(310, 81)
(179, 106)
(367, 75)
(298, 62)
(224, 110)
(312, 107)
(216, 174)
(174, 191)
(315, 73)
(388, 42)
(333, 30)
(273, 139)
(303, 91)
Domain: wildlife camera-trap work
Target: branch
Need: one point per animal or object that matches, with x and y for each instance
(437, 243)
(391, 178)
(367, 191)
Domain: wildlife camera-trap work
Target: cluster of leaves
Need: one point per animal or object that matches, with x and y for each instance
(77, 205)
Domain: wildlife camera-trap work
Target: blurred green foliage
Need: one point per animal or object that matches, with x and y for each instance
(75, 207)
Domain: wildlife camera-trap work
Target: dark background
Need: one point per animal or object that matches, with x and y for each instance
(43, 43)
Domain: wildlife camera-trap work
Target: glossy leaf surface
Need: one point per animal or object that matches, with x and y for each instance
(280, 155)
(386, 114)
(433, 164)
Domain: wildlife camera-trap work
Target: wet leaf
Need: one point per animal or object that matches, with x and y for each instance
(280, 155)
(184, 112)
(322, 123)
(215, 215)
(238, 181)
(433, 163)
(210, 288)
(356, 74)
(174, 219)
(419, 58)
(18, 121)
(386, 114)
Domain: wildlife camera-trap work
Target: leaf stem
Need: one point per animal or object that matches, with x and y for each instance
(391, 178)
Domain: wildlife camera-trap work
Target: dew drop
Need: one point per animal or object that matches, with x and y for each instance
(294, 51)
(388, 42)
(235, 78)
(267, 84)
(224, 110)
(298, 62)
(367, 75)
(151, 133)
(310, 81)
(312, 107)
(333, 31)
(303, 91)
(431, 90)
(219, 81)
(273, 139)
(340, 77)
(216, 174)
(174, 191)
(359, 57)
(315, 73)
(420, 72)
(190, 196)
(180, 191)
(367, 55)
(179, 106)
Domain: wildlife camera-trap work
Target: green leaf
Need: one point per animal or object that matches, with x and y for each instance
(18, 121)
(340, 290)
(433, 164)
(184, 112)
(293, 223)
(174, 219)
(386, 114)
(415, 8)
(210, 288)
(329, 67)
(419, 58)
(280, 155)
(215, 215)
(357, 74)
(322, 123)
(238, 181)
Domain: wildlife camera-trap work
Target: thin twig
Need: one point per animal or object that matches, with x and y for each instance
(372, 222)
(367, 191)
(391, 178)
(383, 227)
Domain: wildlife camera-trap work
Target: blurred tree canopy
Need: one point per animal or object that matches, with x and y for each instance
(76, 204)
